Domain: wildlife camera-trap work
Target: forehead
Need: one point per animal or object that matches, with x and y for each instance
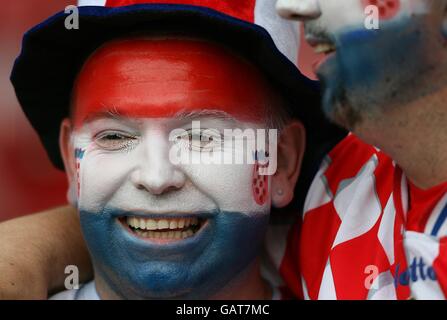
(162, 77)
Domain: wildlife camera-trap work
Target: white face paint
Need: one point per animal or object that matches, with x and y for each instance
(367, 67)
(126, 166)
(126, 177)
(337, 15)
(155, 228)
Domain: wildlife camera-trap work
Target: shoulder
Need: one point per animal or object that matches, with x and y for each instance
(346, 198)
(351, 163)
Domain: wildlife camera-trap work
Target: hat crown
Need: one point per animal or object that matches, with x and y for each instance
(285, 34)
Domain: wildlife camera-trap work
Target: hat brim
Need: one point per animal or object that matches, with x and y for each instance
(51, 57)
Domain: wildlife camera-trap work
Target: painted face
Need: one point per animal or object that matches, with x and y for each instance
(156, 229)
(365, 70)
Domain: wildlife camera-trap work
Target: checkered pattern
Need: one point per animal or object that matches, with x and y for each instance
(79, 154)
(359, 214)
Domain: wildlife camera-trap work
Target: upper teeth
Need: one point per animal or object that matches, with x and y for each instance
(324, 47)
(157, 224)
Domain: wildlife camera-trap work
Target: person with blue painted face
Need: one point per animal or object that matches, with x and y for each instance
(378, 206)
(154, 228)
(151, 82)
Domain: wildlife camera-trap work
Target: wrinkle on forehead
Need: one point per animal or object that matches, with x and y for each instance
(162, 77)
(179, 117)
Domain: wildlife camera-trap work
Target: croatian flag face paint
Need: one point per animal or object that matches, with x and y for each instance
(155, 229)
(371, 58)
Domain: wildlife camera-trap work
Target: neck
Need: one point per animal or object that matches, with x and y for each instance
(415, 137)
(247, 285)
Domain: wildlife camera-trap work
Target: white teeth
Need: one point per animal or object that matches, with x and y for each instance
(175, 235)
(136, 222)
(132, 221)
(173, 224)
(151, 224)
(324, 48)
(181, 223)
(163, 224)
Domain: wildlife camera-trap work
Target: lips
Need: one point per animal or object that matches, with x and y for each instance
(163, 230)
(323, 47)
(321, 60)
(324, 51)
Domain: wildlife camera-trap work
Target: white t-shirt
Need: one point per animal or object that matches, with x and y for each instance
(88, 292)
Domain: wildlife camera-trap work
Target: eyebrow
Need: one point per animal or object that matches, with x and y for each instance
(211, 113)
(114, 113)
(106, 112)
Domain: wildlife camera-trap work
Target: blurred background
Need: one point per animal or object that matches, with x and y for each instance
(28, 182)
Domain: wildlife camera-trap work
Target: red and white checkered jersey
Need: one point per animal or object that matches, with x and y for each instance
(366, 232)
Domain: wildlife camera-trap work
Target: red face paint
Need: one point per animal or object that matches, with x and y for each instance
(157, 78)
(260, 185)
(388, 9)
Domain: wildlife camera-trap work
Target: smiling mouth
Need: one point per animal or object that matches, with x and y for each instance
(324, 48)
(322, 44)
(164, 230)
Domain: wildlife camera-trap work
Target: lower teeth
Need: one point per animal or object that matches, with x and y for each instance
(164, 234)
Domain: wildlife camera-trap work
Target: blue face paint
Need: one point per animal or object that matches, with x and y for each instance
(193, 268)
(374, 68)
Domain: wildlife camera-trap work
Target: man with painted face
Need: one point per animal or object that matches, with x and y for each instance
(380, 213)
(156, 228)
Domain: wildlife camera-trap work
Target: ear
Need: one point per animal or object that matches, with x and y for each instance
(68, 157)
(291, 146)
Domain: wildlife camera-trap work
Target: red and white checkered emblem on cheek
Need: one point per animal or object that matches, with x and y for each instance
(388, 9)
(79, 154)
(260, 185)
(78, 179)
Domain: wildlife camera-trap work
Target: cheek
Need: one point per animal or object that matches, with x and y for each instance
(100, 176)
(231, 187)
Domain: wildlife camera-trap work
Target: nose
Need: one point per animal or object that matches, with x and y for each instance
(155, 173)
(298, 9)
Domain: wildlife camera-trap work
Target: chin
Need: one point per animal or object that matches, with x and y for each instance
(194, 268)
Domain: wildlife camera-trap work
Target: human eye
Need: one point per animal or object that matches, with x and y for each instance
(115, 140)
(201, 140)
